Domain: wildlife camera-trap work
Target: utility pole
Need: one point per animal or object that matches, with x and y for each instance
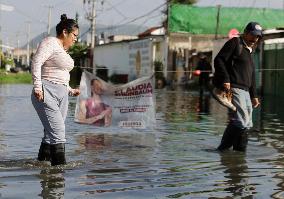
(8, 8)
(91, 16)
(1, 34)
(218, 20)
(1, 50)
(49, 20)
(167, 40)
(93, 24)
(28, 43)
(18, 47)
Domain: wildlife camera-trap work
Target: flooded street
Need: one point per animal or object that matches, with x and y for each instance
(175, 160)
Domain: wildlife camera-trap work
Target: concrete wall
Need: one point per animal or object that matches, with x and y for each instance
(134, 58)
(113, 56)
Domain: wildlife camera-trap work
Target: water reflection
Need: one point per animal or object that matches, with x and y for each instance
(271, 135)
(204, 103)
(183, 111)
(94, 142)
(236, 173)
(118, 162)
(52, 183)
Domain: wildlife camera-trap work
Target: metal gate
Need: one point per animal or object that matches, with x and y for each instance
(273, 69)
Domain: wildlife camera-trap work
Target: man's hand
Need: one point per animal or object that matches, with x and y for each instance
(255, 102)
(227, 86)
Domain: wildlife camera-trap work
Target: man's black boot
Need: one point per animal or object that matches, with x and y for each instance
(44, 152)
(57, 154)
(241, 140)
(228, 137)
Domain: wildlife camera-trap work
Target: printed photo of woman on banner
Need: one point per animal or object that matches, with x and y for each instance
(93, 110)
(102, 104)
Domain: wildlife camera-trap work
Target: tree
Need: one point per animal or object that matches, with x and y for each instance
(78, 52)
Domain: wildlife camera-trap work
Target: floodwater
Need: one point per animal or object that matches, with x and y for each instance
(175, 160)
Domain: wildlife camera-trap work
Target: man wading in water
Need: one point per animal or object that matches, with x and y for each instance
(235, 73)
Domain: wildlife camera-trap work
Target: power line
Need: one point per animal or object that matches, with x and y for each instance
(115, 5)
(119, 12)
(142, 16)
(147, 20)
(131, 21)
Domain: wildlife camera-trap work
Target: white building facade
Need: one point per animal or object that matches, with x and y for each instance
(134, 58)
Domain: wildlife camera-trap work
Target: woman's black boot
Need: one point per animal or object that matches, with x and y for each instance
(44, 152)
(57, 154)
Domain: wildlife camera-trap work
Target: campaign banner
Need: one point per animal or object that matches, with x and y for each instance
(102, 104)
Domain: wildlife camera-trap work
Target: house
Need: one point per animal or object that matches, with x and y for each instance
(135, 57)
(130, 58)
(20, 56)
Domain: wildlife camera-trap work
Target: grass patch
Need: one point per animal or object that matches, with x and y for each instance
(15, 78)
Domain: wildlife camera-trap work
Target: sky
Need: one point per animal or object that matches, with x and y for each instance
(14, 24)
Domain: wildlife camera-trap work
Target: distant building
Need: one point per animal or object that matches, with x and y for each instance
(130, 59)
(117, 38)
(159, 30)
(135, 56)
(20, 56)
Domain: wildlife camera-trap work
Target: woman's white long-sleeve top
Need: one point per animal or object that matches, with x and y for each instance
(51, 62)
